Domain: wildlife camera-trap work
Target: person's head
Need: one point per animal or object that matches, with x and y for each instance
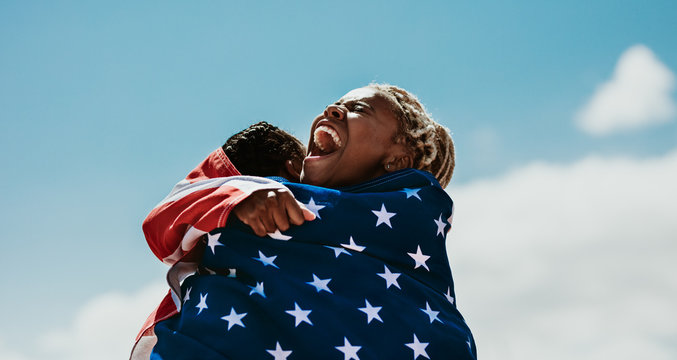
(374, 130)
(265, 150)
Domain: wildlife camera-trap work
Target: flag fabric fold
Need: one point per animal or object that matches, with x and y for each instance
(369, 278)
(197, 204)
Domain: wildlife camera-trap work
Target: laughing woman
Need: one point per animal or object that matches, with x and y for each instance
(368, 278)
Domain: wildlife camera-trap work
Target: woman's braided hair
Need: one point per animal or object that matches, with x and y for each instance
(431, 144)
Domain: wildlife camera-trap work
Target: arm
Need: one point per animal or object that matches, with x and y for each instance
(198, 204)
(202, 202)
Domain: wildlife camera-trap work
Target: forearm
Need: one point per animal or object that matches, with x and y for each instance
(198, 204)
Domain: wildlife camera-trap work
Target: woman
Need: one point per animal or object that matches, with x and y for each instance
(368, 278)
(369, 132)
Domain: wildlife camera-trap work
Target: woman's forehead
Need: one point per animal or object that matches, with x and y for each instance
(360, 93)
(365, 94)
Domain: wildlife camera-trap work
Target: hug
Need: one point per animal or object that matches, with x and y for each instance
(344, 258)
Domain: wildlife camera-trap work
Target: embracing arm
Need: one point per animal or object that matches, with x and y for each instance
(204, 199)
(202, 202)
(267, 211)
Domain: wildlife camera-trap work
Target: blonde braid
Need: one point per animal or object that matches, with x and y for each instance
(431, 144)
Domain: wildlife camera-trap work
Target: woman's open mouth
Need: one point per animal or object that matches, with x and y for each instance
(325, 140)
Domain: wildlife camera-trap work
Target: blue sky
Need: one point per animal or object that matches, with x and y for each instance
(105, 106)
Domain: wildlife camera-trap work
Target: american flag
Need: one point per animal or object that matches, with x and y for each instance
(369, 278)
(197, 204)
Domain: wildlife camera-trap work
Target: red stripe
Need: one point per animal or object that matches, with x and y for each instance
(215, 165)
(165, 310)
(205, 210)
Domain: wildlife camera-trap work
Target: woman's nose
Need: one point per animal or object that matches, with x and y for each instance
(335, 111)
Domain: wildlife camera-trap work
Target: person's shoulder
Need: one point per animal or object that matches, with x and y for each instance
(395, 181)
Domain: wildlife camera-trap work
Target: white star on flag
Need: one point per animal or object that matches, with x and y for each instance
(338, 250)
(278, 353)
(234, 318)
(314, 208)
(232, 272)
(419, 348)
(383, 216)
(371, 311)
(412, 193)
(299, 315)
(391, 278)
(320, 284)
(277, 235)
(431, 313)
(267, 261)
(187, 296)
(349, 351)
(203, 303)
(440, 225)
(258, 289)
(448, 295)
(419, 258)
(352, 246)
(213, 241)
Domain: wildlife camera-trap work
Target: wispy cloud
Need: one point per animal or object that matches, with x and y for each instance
(7, 353)
(638, 94)
(104, 328)
(570, 262)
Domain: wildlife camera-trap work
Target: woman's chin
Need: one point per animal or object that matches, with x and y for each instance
(318, 169)
(312, 178)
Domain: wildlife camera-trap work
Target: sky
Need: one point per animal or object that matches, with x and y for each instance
(563, 115)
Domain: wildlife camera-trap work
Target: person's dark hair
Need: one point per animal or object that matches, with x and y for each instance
(263, 150)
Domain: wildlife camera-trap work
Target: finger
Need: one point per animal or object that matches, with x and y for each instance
(307, 214)
(294, 212)
(291, 207)
(266, 211)
(280, 218)
(268, 222)
(257, 227)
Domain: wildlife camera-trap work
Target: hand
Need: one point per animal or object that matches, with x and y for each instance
(268, 210)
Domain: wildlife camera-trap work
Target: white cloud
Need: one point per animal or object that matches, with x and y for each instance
(104, 328)
(550, 262)
(570, 261)
(638, 94)
(6, 353)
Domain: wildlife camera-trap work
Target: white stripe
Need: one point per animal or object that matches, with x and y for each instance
(190, 238)
(175, 276)
(246, 184)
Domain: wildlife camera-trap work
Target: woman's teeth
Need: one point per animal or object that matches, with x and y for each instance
(326, 139)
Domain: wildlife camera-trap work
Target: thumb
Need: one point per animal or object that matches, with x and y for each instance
(307, 214)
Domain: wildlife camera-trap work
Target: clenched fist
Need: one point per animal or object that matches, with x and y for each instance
(268, 210)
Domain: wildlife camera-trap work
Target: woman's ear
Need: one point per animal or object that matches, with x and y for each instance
(399, 162)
